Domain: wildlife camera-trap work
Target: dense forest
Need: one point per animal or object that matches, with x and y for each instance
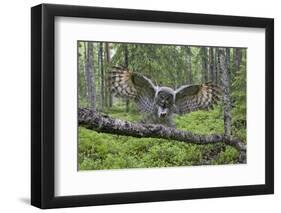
(167, 65)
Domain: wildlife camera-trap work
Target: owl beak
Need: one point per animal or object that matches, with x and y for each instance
(162, 112)
(162, 115)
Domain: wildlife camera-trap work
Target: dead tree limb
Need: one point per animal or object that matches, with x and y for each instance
(102, 123)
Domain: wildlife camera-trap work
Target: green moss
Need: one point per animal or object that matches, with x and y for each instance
(107, 151)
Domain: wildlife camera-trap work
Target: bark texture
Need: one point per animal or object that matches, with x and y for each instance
(108, 90)
(126, 63)
(217, 67)
(212, 65)
(189, 68)
(225, 84)
(237, 59)
(101, 77)
(204, 59)
(90, 75)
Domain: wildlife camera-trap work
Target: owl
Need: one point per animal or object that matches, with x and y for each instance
(159, 104)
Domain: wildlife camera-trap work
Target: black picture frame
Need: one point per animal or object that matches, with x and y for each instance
(43, 111)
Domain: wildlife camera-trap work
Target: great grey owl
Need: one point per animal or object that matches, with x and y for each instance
(158, 103)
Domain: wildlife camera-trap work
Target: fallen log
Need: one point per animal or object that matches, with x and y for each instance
(103, 123)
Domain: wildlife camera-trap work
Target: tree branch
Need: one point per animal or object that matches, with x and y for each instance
(102, 123)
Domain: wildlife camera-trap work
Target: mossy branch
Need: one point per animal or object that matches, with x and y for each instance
(102, 123)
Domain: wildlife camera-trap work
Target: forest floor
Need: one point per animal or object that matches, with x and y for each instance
(98, 151)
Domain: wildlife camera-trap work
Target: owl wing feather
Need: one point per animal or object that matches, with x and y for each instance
(189, 98)
(132, 85)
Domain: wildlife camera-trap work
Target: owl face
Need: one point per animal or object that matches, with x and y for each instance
(164, 101)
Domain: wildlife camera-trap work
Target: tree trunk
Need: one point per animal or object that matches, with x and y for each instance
(237, 59)
(90, 75)
(217, 64)
(108, 59)
(228, 66)
(101, 76)
(78, 71)
(189, 66)
(227, 59)
(126, 63)
(204, 64)
(212, 65)
(85, 70)
(225, 84)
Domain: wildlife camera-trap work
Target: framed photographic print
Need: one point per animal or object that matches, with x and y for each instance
(139, 106)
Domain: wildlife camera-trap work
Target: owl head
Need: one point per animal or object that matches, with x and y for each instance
(164, 101)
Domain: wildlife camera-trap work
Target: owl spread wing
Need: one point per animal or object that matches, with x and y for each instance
(195, 97)
(127, 84)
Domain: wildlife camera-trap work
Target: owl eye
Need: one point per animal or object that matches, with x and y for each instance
(161, 96)
(169, 97)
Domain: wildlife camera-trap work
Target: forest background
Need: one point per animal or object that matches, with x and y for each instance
(167, 65)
